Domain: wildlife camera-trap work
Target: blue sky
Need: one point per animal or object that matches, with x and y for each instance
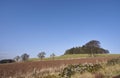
(32, 26)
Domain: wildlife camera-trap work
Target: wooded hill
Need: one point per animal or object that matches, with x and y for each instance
(92, 47)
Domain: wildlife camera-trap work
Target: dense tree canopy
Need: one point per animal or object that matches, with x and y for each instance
(92, 47)
(93, 43)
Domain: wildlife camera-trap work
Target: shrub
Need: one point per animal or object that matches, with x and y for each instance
(80, 68)
(6, 61)
(113, 61)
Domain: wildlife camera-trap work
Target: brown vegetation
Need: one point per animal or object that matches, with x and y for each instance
(7, 70)
(117, 76)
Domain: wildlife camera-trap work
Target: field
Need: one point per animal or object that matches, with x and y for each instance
(74, 56)
(30, 68)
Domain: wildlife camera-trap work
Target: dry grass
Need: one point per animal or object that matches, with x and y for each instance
(84, 75)
(51, 69)
(7, 70)
(105, 72)
(43, 73)
(110, 71)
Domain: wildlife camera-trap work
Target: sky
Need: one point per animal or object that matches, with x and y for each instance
(53, 26)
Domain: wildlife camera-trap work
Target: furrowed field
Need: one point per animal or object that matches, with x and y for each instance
(53, 68)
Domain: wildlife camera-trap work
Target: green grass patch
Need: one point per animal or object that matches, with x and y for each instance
(74, 56)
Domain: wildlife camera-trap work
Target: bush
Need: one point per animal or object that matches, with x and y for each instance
(80, 68)
(113, 61)
(6, 61)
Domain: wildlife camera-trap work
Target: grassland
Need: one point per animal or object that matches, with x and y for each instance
(74, 56)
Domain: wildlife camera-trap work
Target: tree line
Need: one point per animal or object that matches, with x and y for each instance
(92, 47)
(25, 56)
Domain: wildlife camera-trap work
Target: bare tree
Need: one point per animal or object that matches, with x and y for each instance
(52, 56)
(41, 55)
(17, 58)
(24, 57)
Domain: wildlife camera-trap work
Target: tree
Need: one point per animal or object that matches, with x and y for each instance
(52, 56)
(17, 58)
(41, 55)
(91, 48)
(92, 45)
(107, 51)
(24, 57)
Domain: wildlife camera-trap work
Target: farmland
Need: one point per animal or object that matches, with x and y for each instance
(43, 67)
